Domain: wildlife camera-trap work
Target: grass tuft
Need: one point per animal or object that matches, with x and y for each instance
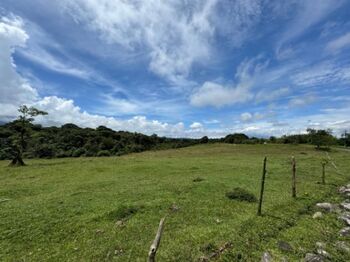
(122, 213)
(198, 179)
(241, 194)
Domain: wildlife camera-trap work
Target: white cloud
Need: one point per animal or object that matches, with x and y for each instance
(302, 101)
(13, 88)
(322, 73)
(218, 95)
(175, 34)
(308, 15)
(246, 117)
(339, 43)
(63, 111)
(213, 94)
(271, 95)
(196, 126)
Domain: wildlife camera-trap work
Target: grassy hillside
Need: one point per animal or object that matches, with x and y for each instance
(96, 209)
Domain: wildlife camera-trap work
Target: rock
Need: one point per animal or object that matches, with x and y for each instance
(327, 206)
(323, 253)
(317, 215)
(310, 257)
(345, 205)
(203, 259)
(266, 257)
(174, 208)
(345, 232)
(320, 245)
(284, 246)
(119, 223)
(341, 245)
(345, 217)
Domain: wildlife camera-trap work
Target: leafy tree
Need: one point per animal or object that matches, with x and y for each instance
(320, 137)
(236, 138)
(204, 140)
(22, 130)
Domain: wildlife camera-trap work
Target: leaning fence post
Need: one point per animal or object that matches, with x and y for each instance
(262, 187)
(154, 247)
(323, 172)
(294, 182)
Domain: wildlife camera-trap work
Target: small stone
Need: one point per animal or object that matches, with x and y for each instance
(345, 205)
(327, 206)
(320, 245)
(341, 245)
(174, 208)
(119, 223)
(323, 253)
(266, 257)
(317, 215)
(344, 189)
(118, 251)
(99, 231)
(345, 231)
(345, 217)
(284, 246)
(310, 257)
(203, 259)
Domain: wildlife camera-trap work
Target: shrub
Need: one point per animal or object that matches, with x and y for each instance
(123, 213)
(241, 195)
(78, 152)
(198, 179)
(104, 153)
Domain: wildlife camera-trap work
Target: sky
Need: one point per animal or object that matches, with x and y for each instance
(179, 68)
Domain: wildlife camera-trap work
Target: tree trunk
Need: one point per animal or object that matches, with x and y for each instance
(17, 160)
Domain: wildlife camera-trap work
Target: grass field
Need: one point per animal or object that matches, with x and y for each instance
(102, 209)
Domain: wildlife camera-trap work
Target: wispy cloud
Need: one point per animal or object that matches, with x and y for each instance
(338, 44)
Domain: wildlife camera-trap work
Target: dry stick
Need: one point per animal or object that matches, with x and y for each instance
(154, 247)
(262, 187)
(294, 182)
(323, 173)
(333, 164)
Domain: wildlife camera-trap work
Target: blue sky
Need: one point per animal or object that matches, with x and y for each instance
(179, 68)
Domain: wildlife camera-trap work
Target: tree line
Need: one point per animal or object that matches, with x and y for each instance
(22, 138)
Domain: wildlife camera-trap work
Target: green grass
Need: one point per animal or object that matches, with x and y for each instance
(108, 209)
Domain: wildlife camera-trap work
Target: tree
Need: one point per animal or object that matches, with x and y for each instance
(204, 140)
(236, 138)
(320, 137)
(22, 132)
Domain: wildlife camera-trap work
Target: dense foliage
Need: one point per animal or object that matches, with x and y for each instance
(70, 140)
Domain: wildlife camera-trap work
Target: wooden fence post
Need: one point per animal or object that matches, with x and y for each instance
(262, 187)
(154, 247)
(294, 182)
(323, 173)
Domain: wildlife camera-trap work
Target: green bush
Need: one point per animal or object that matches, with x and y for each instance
(241, 194)
(78, 152)
(103, 153)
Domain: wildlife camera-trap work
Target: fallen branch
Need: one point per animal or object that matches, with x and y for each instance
(333, 164)
(154, 247)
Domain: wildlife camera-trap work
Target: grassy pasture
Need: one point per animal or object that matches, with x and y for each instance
(67, 209)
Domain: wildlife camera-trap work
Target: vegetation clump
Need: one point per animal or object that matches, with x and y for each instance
(241, 194)
(123, 213)
(198, 179)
